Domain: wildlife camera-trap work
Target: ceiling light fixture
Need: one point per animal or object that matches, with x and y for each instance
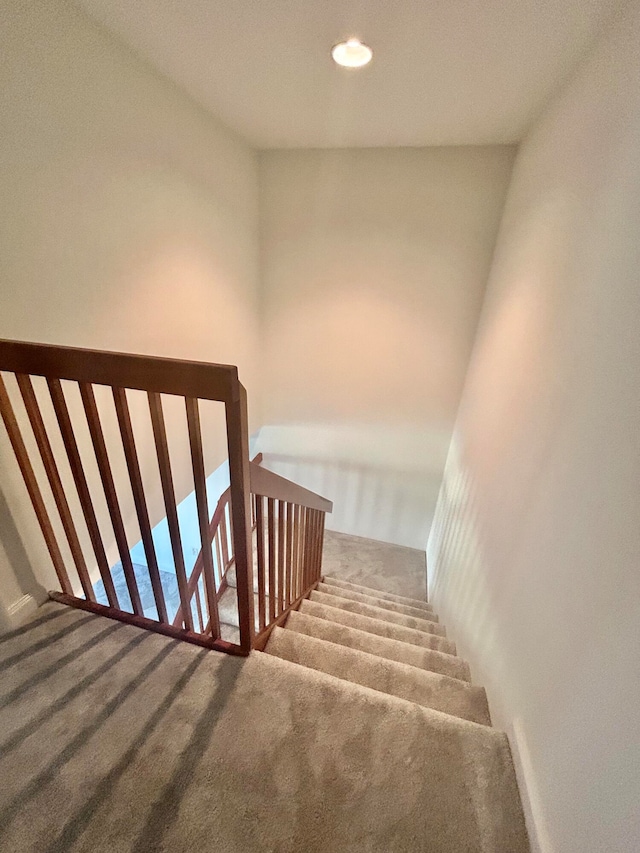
(351, 53)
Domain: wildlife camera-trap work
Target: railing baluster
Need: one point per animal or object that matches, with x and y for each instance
(310, 547)
(224, 538)
(305, 550)
(221, 569)
(314, 548)
(104, 467)
(259, 506)
(79, 478)
(297, 552)
(317, 556)
(199, 608)
(290, 551)
(29, 477)
(53, 475)
(199, 480)
(232, 556)
(306, 512)
(281, 555)
(315, 516)
(272, 559)
(285, 554)
(320, 546)
(137, 488)
(166, 480)
(308, 550)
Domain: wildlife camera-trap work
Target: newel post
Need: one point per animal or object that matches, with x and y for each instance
(238, 444)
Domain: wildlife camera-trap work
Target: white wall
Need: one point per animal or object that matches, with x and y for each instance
(374, 264)
(129, 222)
(534, 559)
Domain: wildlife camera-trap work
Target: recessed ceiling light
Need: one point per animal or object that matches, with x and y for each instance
(351, 53)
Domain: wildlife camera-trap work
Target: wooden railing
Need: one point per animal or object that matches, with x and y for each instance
(289, 532)
(288, 526)
(288, 519)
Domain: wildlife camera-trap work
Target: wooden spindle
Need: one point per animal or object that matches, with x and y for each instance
(281, 555)
(318, 564)
(199, 609)
(290, 552)
(200, 484)
(53, 475)
(225, 527)
(219, 558)
(139, 499)
(297, 551)
(306, 549)
(166, 480)
(232, 556)
(320, 546)
(315, 521)
(259, 505)
(29, 477)
(80, 480)
(104, 468)
(272, 558)
(311, 540)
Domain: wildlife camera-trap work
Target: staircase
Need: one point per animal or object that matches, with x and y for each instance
(357, 730)
(385, 642)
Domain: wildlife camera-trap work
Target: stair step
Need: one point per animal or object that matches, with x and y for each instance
(378, 613)
(230, 633)
(380, 627)
(233, 582)
(228, 608)
(392, 606)
(383, 647)
(377, 593)
(429, 689)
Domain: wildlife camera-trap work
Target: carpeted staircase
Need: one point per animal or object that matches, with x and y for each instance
(358, 731)
(386, 642)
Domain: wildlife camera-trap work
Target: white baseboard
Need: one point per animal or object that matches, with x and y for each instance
(21, 609)
(530, 795)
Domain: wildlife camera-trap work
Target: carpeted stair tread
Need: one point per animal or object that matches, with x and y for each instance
(228, 608)
(429, 689)
(377, 626)
(230, 633)
(384, 647)
(392, 606)
(378, 613)
(232, 581)
(377, 593)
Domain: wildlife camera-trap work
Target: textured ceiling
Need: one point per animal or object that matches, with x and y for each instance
(445, 72)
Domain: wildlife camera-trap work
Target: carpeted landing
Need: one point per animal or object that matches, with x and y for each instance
(357, 732)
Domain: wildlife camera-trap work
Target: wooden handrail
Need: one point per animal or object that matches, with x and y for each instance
(270, 485)
(139, 372)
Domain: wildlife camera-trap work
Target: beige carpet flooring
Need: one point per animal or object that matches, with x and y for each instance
(339, 739)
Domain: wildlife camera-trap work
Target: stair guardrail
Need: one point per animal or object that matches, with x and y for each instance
(288, 526)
